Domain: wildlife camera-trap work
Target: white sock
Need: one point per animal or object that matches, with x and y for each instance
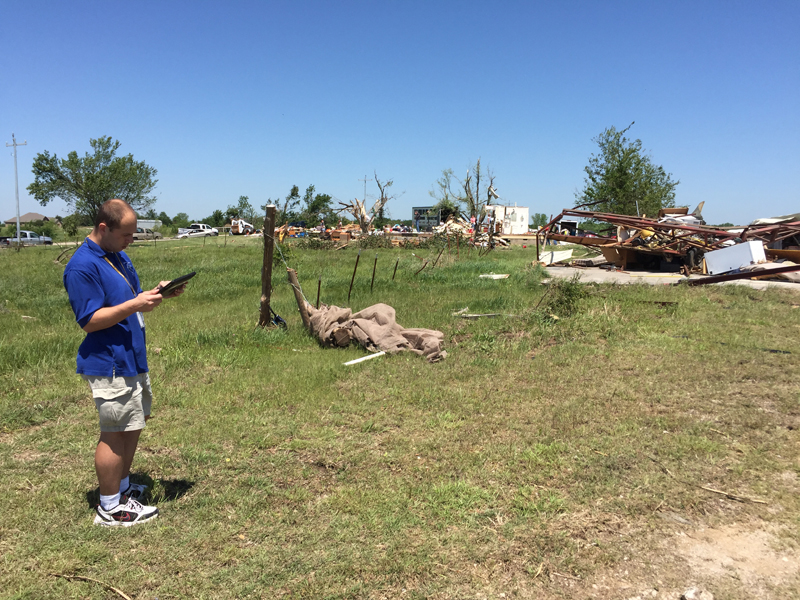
(125, 484)
(109, 502)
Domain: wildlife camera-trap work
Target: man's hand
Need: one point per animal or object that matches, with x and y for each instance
(176, 292)
(147, 301)
(111, 315)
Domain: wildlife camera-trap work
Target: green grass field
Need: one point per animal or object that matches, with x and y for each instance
(533, 461)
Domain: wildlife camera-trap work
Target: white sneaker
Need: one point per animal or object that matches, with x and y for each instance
(128, 512)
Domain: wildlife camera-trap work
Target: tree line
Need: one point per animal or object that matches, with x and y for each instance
(620, 178)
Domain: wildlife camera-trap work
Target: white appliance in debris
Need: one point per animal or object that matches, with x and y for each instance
(735, 257)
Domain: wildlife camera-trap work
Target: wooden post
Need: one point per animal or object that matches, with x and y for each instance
(395, 268)
(537, 245)
(265, 316)
(319, 288)
(374, 266)
(298, 295)
(354, 276)
(438, 257)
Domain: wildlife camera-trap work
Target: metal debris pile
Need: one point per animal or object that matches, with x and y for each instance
(677, 240)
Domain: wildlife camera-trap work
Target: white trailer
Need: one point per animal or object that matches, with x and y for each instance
(513, 219)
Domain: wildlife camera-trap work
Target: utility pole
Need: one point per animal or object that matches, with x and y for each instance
(365, 180)
(16, 181)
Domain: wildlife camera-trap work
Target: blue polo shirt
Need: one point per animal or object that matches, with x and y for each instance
(92, 283)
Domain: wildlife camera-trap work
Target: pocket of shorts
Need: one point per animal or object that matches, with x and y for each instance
(108, 388)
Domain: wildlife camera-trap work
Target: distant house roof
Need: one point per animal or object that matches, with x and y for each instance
(27, 218)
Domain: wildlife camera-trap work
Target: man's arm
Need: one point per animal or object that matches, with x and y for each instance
(105, 317)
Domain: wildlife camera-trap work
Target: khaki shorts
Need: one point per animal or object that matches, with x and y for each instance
(122, 402)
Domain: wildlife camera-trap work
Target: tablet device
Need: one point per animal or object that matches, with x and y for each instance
(176, 283)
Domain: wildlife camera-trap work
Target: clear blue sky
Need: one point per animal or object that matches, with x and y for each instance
(250, 98)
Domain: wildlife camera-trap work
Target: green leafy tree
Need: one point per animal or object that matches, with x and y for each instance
(181, 220)
(538, 220)
(289, 210)
(245, 209)
(70, 226)
(621, 179)
(216, 219)
(164, 218)
(317, 206)
(84, 183)
(447, 201)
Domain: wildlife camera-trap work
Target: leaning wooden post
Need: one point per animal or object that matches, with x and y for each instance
(265, 316)
(397, 262)
(298, 295)
(374, 266)
(438, 257)
(319, 288)
(354, 276)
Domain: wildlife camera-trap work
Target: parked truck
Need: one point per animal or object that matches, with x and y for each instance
(27, 238)
(196, 230)
(142, 233)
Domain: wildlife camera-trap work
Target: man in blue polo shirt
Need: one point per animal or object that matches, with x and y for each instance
(108, 303)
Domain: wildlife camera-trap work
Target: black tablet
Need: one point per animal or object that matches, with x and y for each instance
(176, 283)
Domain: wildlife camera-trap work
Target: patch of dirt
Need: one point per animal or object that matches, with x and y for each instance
(735, 561)
(28, 456)
(748, 554)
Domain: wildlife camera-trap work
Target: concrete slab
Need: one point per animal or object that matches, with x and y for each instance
(597, 275)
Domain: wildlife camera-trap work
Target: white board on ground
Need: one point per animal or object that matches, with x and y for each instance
(555, 256)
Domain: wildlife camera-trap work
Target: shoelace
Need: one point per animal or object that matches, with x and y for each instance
(134, 505)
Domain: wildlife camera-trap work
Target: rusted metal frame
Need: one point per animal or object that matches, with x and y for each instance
(663, 229)
(553, 221)
(646, 250)
(696, 243)
(759, 232)
(778, 238)
(640, 223)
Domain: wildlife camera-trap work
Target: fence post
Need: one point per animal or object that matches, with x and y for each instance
(265, 317)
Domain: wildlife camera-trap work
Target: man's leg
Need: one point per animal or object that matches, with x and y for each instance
(113, 457)
(131, 442)
(114, 453)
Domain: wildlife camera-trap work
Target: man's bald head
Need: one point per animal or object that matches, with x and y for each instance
(112, 212)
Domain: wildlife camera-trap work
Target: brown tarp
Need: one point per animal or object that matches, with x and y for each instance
(375, 328)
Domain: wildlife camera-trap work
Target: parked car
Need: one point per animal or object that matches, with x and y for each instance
(29, 238)
(196, 230)
(146, 234)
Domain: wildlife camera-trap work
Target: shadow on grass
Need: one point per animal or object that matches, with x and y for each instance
(163, 490)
